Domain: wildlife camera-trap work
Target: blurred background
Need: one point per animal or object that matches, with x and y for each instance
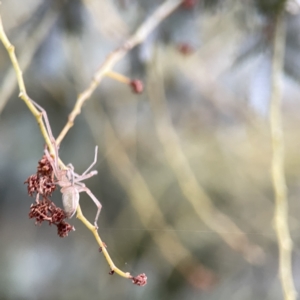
(183, 168)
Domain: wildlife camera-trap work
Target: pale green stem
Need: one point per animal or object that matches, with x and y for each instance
(280, 190)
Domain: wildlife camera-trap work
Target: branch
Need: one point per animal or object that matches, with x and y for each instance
(102, 245)
(140, 279)
(32, 43)
(281, 203)
(140, 35)
(23, 94)
(145, 204)
(159, 15)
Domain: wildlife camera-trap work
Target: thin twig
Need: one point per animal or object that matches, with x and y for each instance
(118, 77)
(285, 243)
(38, 115)
(144, 202)
(159, 15)
(32, 43)
(140, 35)
(92, 228)
(23, 94)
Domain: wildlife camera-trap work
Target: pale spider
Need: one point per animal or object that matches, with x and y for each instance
(67, 179)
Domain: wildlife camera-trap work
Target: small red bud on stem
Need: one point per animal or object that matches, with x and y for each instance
(136, 85)
(188, 4)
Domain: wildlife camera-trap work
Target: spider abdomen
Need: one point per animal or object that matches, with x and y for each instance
(70, 199)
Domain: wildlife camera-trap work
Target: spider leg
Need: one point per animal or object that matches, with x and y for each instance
(93, 163)
(79, 178)
(44, 113)
(48, 127)
(96, 201)
(70, 166)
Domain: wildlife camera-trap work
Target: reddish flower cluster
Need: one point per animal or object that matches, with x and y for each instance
(185, 49)
(140, 280)
(46, 210)
(42, 182)
(137, 86)
(42, 185)
(189, 4)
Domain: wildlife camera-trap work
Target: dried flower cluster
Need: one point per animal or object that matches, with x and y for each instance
(42, 185)
(140, 280)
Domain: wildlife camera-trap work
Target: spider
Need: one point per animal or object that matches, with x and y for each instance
(67, 179)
